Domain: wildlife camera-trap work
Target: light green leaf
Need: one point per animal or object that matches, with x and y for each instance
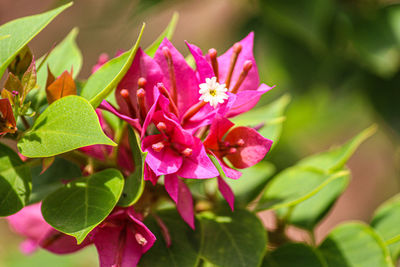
(184, 249)
(66, 56)
(15, 182)
(104, 80)
(134, 183)
(52, 179)
(295, 185)
(353, 245)
(22, 31)
(336, 158)
(309, 213)
(294, 254)
(167, 33)
(67, 124)
(218, 166)
(251, 183)
(235, 239)
(81, 205)
(272, 115)
(5, 37)
(386, 222)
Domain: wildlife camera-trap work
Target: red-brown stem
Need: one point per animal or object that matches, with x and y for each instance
(126, 96)
(192, 111)
(237, 48)
(165, 93)
(214, 62)
(168, 57)
(141, 102)
(246, 68)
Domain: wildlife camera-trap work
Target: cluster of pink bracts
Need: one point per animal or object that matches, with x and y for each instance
(181, 115)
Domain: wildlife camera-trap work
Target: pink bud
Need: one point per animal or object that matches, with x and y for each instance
(237, 48)
(161, 126)
(142, 82)
(187, 152)
(157, 146)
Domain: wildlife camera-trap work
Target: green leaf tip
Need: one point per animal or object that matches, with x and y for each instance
(167, 33)
(113, 82)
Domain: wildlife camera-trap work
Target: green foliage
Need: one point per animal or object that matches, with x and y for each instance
(294, 254)
(355, 244)
(104, 80)
(134, 183)
(67, 124)
(184, 249)
(15, 181)
(167, 33)
(310, 175)
(386, 223)
(235, 239)
(21, 32)
(52, 179)
(81, 205)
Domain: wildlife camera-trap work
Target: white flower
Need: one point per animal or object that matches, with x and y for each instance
(213, 92)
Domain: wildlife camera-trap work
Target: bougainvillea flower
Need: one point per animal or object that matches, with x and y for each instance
(177, 151)
(7, 120)
(242, 146)
(236, 70)
(122, 239)
(180, 194)
(29, 222)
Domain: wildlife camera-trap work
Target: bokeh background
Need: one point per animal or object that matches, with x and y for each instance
(338, 59)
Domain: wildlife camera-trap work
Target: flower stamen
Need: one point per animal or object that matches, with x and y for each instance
(237, 48)
(246, 68)
(168, 57)
(214, 63)
(126, 96)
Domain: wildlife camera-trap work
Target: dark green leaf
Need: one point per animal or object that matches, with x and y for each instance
(67, 124)
(167, 33)
(77, 208)
(184, 248)
(235, 239)
(52, 179)
(134, 183)
(386, 222)
(294, 254)
(15, 181)
(355, 244)
(104, 80)
(21, 32)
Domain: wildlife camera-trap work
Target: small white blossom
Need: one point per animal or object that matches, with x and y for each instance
(213, 92)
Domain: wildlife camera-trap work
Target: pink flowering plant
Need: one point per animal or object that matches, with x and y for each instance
(158, 159)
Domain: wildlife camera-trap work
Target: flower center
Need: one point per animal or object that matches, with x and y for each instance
(213, 92)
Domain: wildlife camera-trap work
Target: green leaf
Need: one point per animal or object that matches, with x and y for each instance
(310, 212)
(294, 254)
(134, 183)
(386, 223)
(355, 244)
(184, 248)
(5, 37)
(15, 182)
(294, 185)
(81, 205)
(167, 33)
(67, 124)
(336, 158)
(66, 56)
(251, 183)
(235, 239)
(271, 115)
(22, 31)
(105, 79)
(52, 179)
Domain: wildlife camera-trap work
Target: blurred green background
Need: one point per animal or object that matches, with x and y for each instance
(339, 60)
